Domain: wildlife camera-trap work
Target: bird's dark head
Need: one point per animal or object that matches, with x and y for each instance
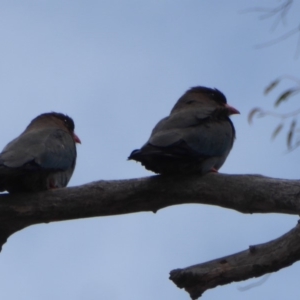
(201, 96)
(67, 121)
(213, 94)
(59, 119)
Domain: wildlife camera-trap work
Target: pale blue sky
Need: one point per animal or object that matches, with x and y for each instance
(117, 67)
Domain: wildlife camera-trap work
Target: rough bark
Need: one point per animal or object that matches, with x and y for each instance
(256, 261)
(244, 193)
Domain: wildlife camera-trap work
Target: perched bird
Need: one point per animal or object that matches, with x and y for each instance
(196, 137)
(43, 157)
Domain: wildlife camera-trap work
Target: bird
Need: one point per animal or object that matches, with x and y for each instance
(195, 138)
(43, 157)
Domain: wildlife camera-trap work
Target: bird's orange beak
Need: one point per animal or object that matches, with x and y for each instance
(232, 110)
(76, 138)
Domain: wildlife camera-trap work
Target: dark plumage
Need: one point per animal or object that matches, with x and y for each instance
(196, 137)
(42, 157)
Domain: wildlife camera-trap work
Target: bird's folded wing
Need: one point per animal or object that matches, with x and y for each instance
(201, 136)
(46, 148)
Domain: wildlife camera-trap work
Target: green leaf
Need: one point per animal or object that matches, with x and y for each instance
(291, 134)
(284, 96)
(271, 86)
(255, 111)
(277, 130)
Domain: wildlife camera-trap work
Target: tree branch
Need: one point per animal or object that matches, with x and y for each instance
(256, 261)
(244, 193)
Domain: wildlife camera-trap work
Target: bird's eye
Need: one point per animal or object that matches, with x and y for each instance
(67, 123)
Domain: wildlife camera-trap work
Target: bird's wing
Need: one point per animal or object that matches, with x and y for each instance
(193, 133)
(49, 148)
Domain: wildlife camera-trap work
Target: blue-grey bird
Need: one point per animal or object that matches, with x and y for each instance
(43, 157)
(196, 137)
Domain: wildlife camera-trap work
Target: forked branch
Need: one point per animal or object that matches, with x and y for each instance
(244, 193)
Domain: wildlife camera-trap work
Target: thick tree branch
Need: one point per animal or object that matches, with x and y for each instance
(244, 193)
(256, 261)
